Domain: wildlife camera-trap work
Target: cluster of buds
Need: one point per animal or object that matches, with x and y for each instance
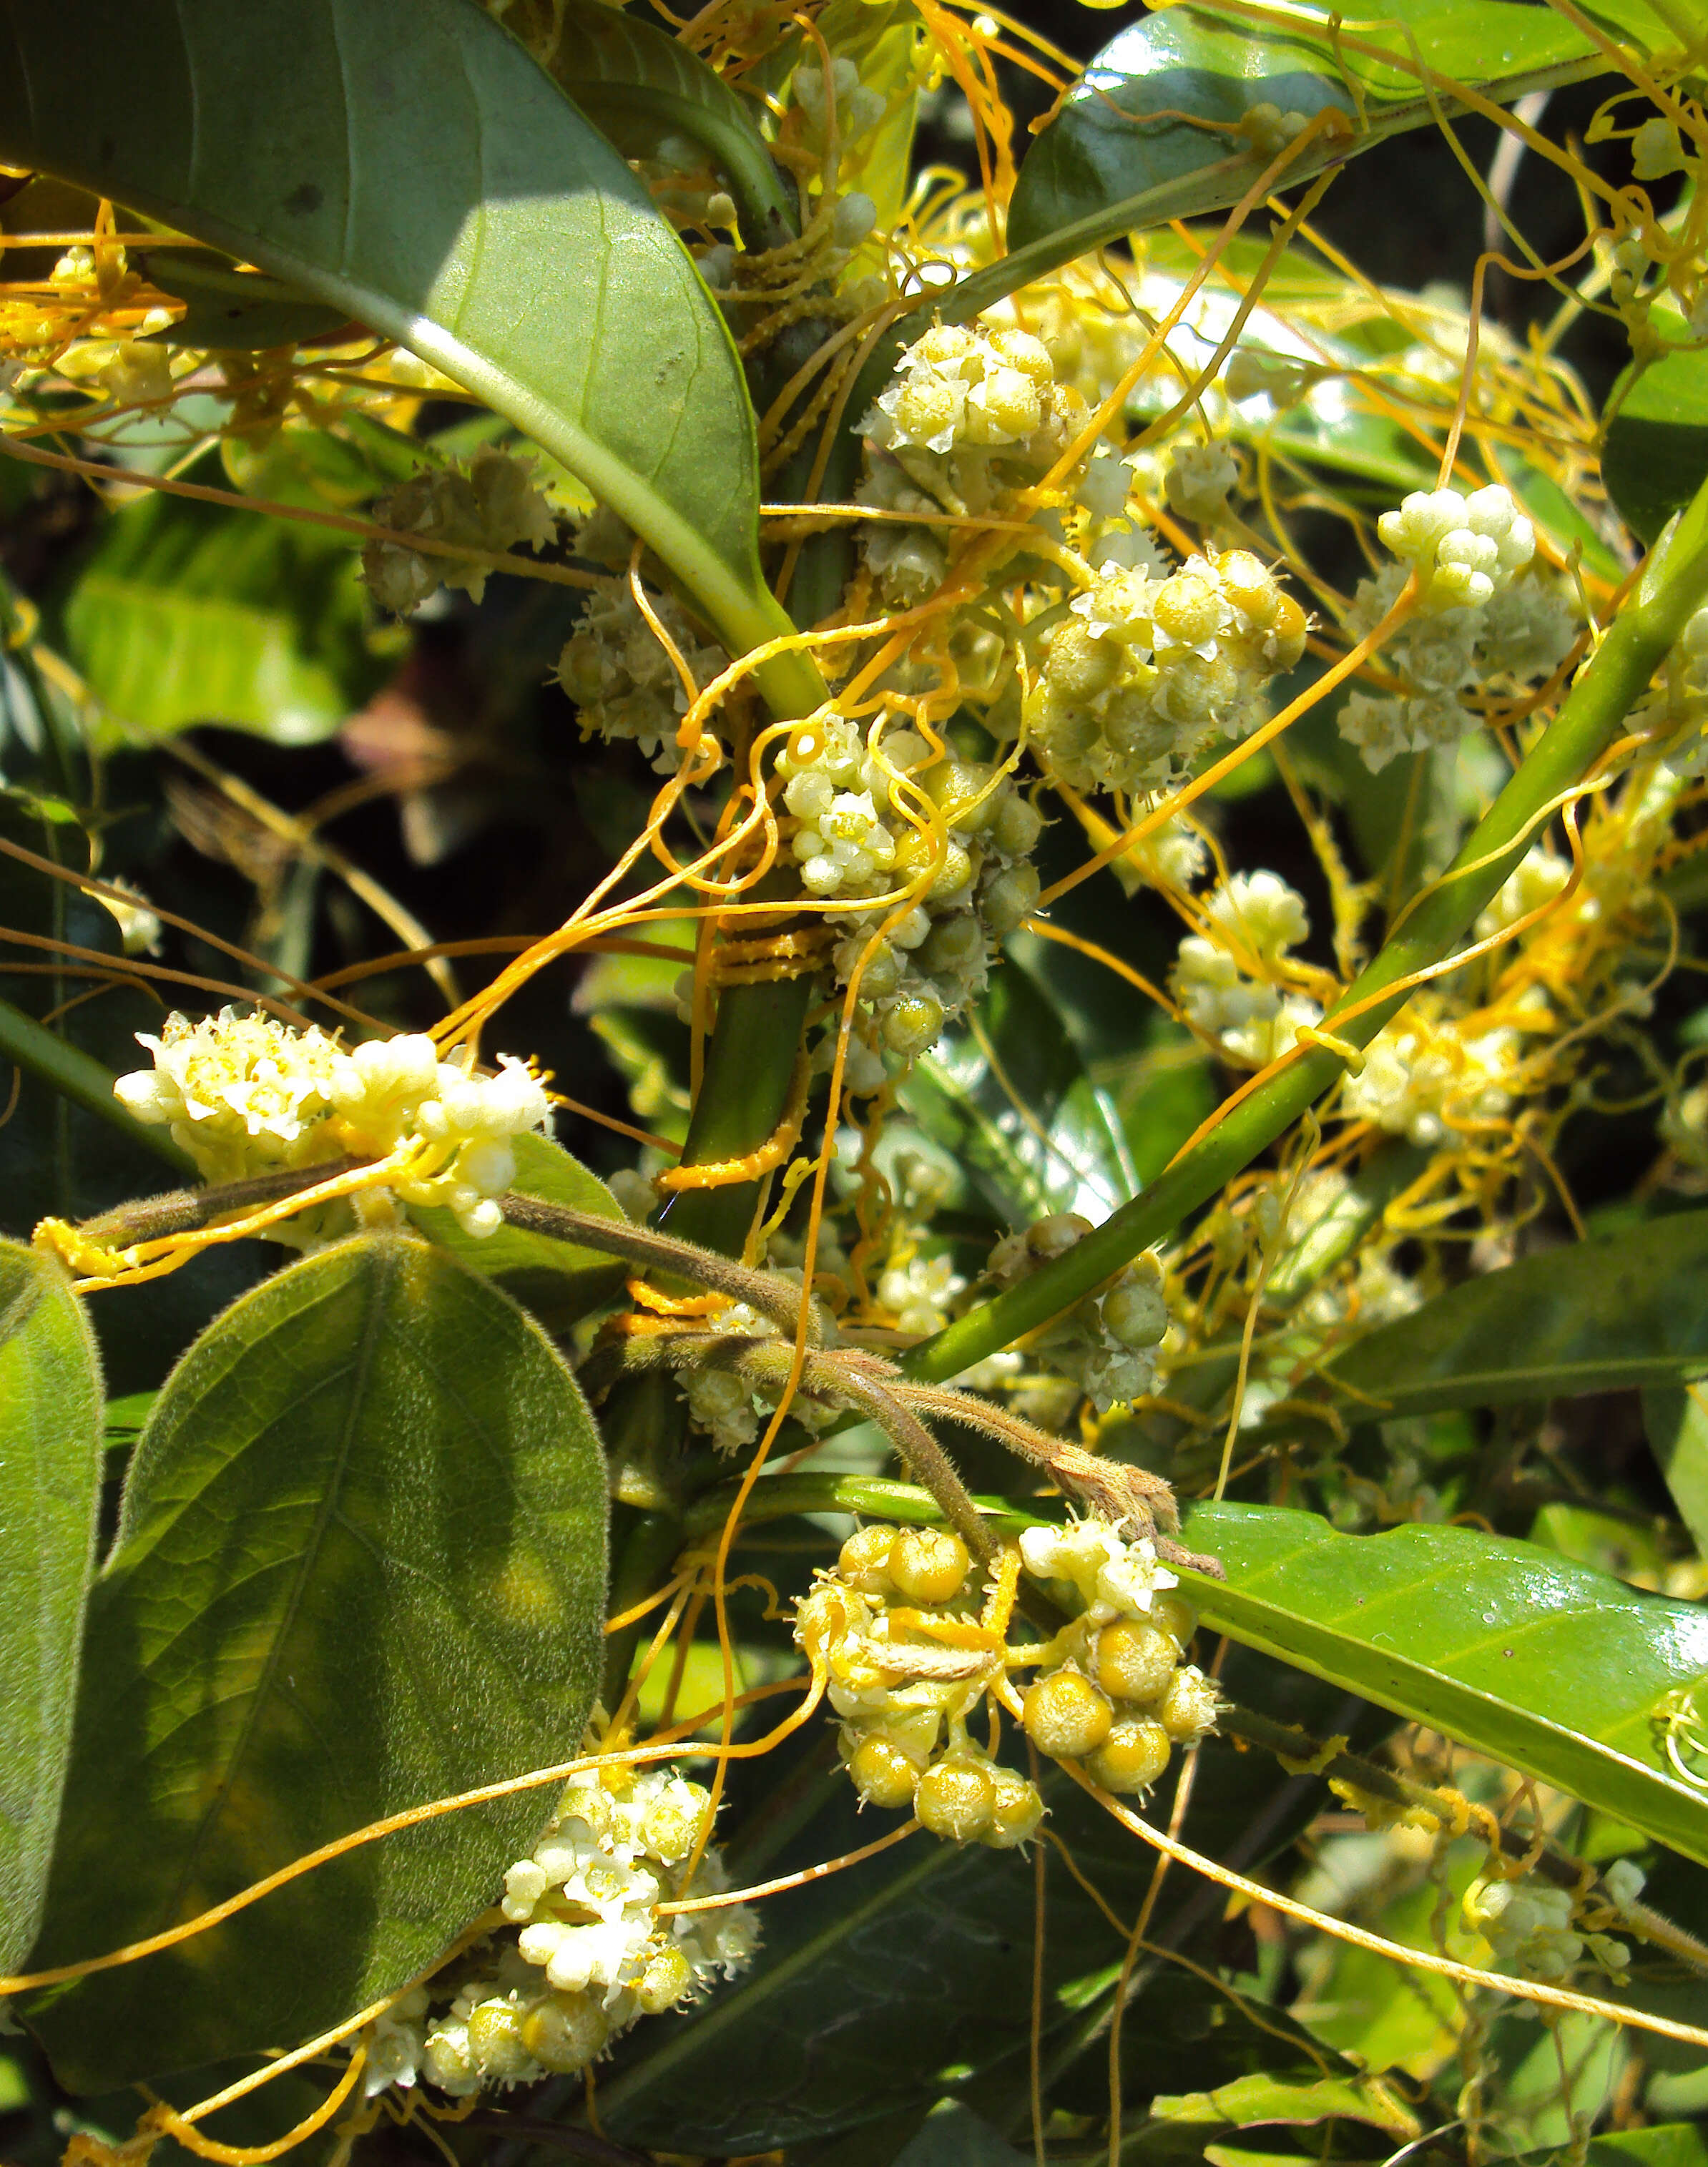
(1428, 1075)
(624, 683)
(583, 1951)
(879, 811)
(897, 1627)
(495, 506)
(1521, 634)
(1107, 1343)
(1114, 1689)
(1464, 549)
(1146, 671)
(244, 1095)
(1226, 977)
(909, 1659)
(1541, 1931)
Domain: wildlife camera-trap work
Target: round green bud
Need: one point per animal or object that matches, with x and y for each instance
(1132, 1757)
(565, 2032)
(956, 1798)
(1053, 1237)
(864, 1561)
(1134, 1660)
(881, 1773)
(929, 1565)
(1187, 1710)
(667, 1977)
(955, 787)
(1135, 1312)
(1066, 1716)
(915, 1023)
(1188, 608)
(1016, 1810)
(496, 2040)
(955, 946)
(1080, 664)
(1017, 827)
(1010, 899)
(882, 973)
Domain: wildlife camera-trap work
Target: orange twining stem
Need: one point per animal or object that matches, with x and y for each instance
(726, 1173)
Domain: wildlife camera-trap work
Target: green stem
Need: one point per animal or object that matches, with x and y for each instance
(743, 1092)
(75, 1076)
(784, 1496)
(1673, 586)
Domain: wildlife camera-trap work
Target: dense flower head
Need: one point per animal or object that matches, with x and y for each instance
(246, 1094)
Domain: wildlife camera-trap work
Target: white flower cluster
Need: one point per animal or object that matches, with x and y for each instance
(875, 811)
(907, 1694)
(1107, 1343)
(1146, 670)
(727, 1407)
(1464, 549)
(245, 1094)
(1534, 1931)
(590, 1954)
(1426, 1076)
(494, 505)
(624, 683)
(1114, 1689)
(1523, 634)
(960, 386)
(919, 1291)
(1221, 978)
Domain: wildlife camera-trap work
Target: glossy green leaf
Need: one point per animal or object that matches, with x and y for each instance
(50, 1490)
(1618, 1310)
(360, 1565)
(1104, 167)
(638, 85)
(419, 171)
(229, 310)
(1540, 1663)
(1655, 454)
(1675, 1417)
(1265, 2099)
(545, 1274)
(1007, 1096)
(187, 612)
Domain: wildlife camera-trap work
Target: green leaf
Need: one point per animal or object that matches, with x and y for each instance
(229, 310)
(1103, 167)
(955, 2136)
(1540, 1663)
(1676, 1420)
(1654, 457)
(1265, 2099)
(545, 1274)
(420, 171)
(1616, 1311)
(49, 1491)
(360, 1566)
(187, 612)
(1008, 1097)
(637, 85)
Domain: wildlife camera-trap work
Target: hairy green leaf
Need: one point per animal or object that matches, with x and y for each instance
(1655, 454)
(50, 1489)
(1539, 1662)
(637, 85)
(419, 171)
(1104, 166)
(187, 612)
(1618, 1310)
(545, 1274)
(361, 1566)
